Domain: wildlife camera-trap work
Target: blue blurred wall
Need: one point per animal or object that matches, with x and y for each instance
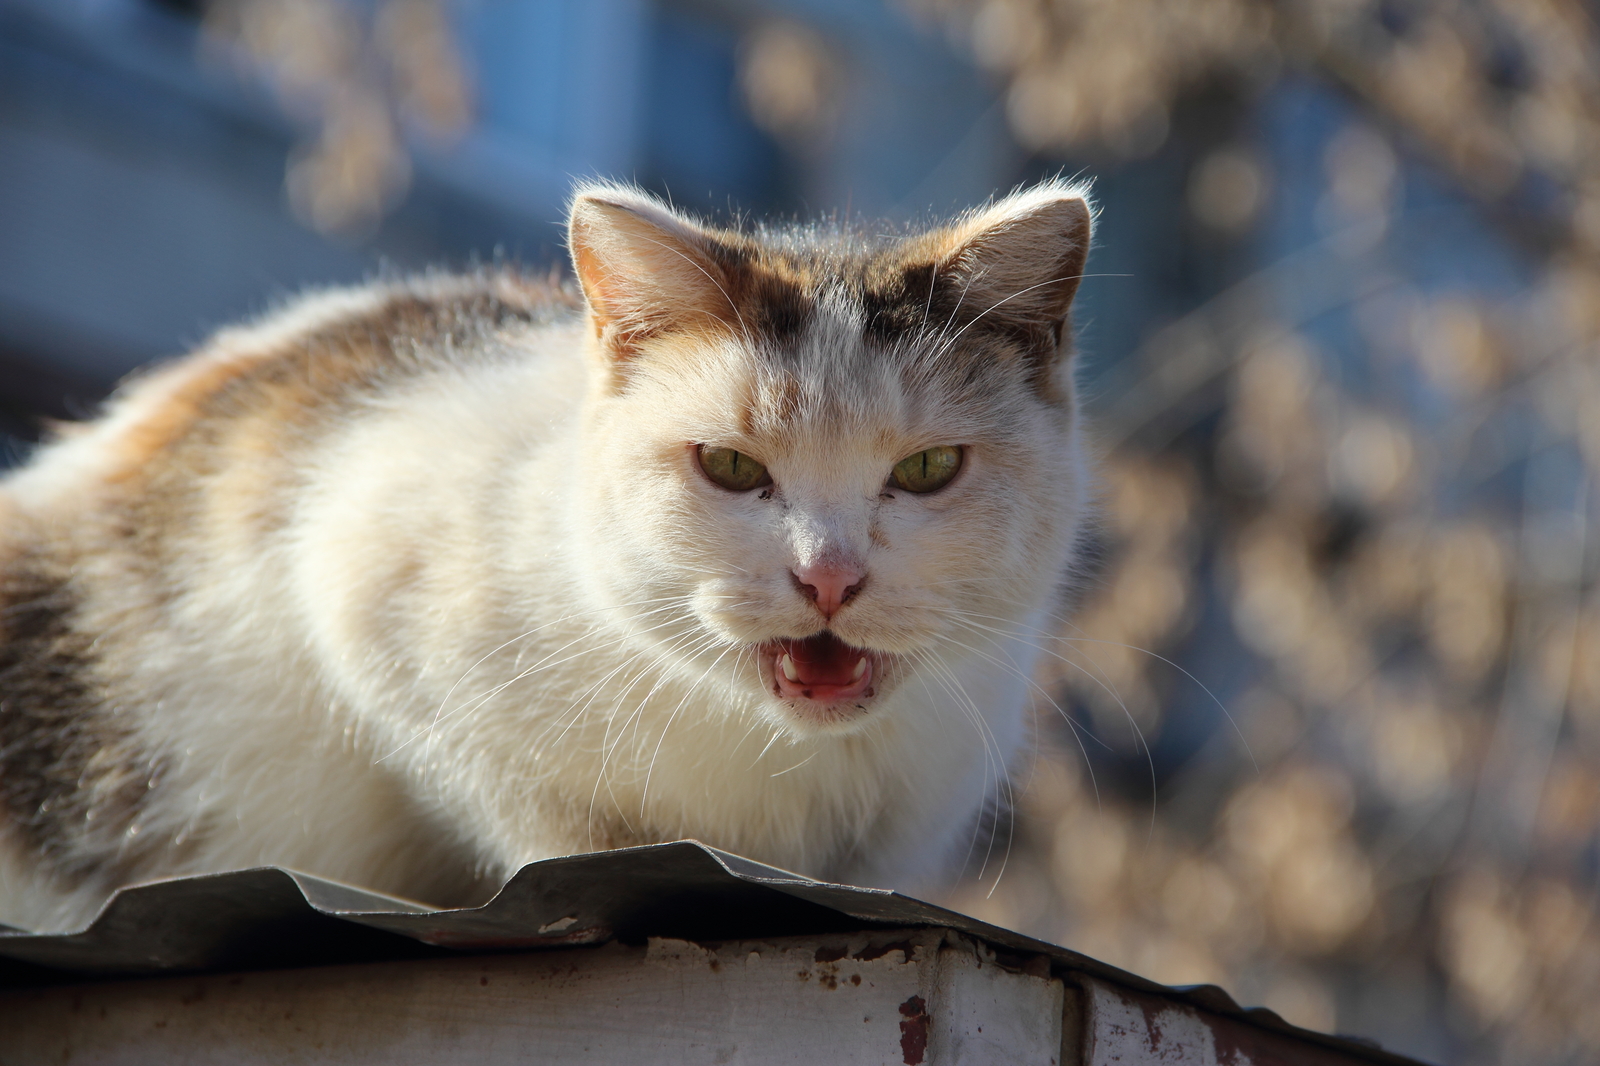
(141, 190)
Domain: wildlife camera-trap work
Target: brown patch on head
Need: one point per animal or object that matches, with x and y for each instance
(898, 298)
(775, 294)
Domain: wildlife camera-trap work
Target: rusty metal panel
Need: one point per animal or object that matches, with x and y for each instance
(273, 918)
(1122, 1027)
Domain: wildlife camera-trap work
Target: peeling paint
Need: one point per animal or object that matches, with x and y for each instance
(914, 1030)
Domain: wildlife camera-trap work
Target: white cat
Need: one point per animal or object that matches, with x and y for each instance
(409, 584)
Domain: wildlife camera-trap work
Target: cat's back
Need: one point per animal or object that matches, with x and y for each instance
(267, 389)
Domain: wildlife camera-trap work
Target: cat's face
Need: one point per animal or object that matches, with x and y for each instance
(819, 476)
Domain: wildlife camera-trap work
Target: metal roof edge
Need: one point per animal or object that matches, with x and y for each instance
(271, 917)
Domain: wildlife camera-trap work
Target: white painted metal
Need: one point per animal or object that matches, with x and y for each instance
(924, 996)
(987, 1015)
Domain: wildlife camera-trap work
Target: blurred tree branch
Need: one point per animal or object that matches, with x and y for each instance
(1505, 93)
(359, 77)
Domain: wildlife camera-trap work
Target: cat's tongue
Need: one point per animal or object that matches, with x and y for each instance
(822, 667)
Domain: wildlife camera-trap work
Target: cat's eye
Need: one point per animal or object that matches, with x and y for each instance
(734, 471)
(929, 469)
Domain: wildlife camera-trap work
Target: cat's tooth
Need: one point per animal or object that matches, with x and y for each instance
(787, 665)
(861, 668)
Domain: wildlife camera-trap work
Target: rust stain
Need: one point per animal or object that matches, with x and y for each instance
(1234, 1043)
(914, 1030)
(1152, 1024)
(830, 954)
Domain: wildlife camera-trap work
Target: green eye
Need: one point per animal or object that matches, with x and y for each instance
(734, 471)
(928, 470)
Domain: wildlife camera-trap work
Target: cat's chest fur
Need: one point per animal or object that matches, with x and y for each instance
(408, 585)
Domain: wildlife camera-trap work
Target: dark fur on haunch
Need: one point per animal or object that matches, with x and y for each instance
(71, 777)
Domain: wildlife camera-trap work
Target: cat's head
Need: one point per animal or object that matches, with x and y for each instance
(820, 464)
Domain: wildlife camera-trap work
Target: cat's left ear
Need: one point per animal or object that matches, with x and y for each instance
(1014, 264)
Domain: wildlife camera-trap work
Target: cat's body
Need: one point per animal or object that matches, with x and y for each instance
(410, 584)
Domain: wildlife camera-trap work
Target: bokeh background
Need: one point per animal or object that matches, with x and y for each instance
(1325, 729)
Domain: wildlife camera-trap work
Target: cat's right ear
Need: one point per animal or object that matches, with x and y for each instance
(645, 269)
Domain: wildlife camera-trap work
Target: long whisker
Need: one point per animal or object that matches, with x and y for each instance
(546, 663)
(799, 764)
(549, 661)
(645, 796)
(947, 345)
(669, 601)
(1212, 696)
(1133, 722)
(688, 645)
(1076, 730)
(992, 756)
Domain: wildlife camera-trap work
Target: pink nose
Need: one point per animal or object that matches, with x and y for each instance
(829, 586)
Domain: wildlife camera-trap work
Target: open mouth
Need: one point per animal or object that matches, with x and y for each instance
(821, 668)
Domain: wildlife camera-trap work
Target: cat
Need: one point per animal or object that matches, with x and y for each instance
(746, 536)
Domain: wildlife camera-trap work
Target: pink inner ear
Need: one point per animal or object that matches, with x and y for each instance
(598, 287)
(644, 270)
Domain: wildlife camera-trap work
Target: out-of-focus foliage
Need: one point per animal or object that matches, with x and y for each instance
(1417, 815)
(1497, 88)
(357, 77)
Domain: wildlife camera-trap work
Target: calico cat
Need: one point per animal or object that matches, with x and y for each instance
(746, 537)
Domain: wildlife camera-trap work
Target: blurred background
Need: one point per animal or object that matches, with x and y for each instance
(1325, 729)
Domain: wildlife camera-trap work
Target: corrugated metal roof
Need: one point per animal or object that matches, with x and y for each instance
(271, 917)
